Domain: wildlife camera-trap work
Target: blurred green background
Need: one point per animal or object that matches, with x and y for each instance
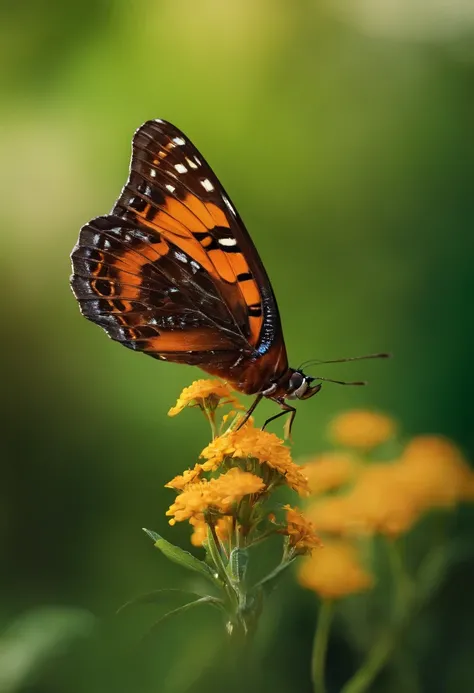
(343, 133)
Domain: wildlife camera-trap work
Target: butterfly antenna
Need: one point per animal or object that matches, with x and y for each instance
(341, 382)
(318, 362)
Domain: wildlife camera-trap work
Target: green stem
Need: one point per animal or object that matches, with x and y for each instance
(320, 645)
(402, 585)
(215, 551)
(211, 417)
(402, 607)
(374, 663)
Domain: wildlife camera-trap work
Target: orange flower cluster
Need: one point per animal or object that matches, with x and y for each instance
(218, 495)
(254, 462)
(206, 394)
(252, 444)
(378, 498)
(300, 531)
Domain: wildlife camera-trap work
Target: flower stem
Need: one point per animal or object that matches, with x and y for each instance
(402, 599)
(320, 646)
(374, 663)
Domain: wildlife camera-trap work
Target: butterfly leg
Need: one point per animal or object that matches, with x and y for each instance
(286, 409)
(249, 413)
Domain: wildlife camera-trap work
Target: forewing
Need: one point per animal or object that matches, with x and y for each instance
(172, 271)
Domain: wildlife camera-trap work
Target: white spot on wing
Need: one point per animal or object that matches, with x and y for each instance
(179, 140)
(152, 321)
(229, 206)
(191, 163)
(181, 256)
(227, 242)
(195, 266)
(207, 185)
(181, 168)
(169, 187)
(152, 173)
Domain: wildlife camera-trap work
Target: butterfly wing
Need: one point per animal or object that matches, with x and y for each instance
(173, 272)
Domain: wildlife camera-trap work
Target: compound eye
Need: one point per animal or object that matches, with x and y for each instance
(296, 381)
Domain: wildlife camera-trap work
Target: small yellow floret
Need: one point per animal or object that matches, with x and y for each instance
(335, 571)
(200, 529)
(248, 442)
(303, 538)
(218, 495)
(206, 394)
(362, 429)
(190, 476)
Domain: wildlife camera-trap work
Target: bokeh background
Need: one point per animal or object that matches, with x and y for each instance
(342, 130)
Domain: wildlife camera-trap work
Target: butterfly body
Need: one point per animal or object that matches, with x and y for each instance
(172, 272)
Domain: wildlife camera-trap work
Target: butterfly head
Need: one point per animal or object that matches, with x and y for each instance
(300, 386)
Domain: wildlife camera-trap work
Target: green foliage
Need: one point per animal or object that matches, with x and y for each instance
(181, 557)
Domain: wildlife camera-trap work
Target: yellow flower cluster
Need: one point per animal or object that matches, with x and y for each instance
(206, 394)
(300, 531)
(254, 462)
(385, 498)
(389, 498)
(249, 443)
(218, 495)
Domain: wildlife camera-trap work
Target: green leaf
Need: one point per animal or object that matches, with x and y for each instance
(154, 597)
(268, 583)
(34, 639)
(213, 601)
(181, 557)
(238, 564)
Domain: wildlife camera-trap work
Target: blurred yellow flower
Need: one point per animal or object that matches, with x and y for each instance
(190, 476)
(381, 501)
(329, 471)
(200, 528)
(302, 537)
(218, 495)
(335, 571)
(205, 394)
(362, 429)
(249, 443)
(437, 472)
(333, 515)
(389, 498)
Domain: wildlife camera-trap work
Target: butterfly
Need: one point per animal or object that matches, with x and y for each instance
(172, 272)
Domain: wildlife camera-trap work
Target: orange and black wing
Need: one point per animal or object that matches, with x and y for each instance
(173, 272)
